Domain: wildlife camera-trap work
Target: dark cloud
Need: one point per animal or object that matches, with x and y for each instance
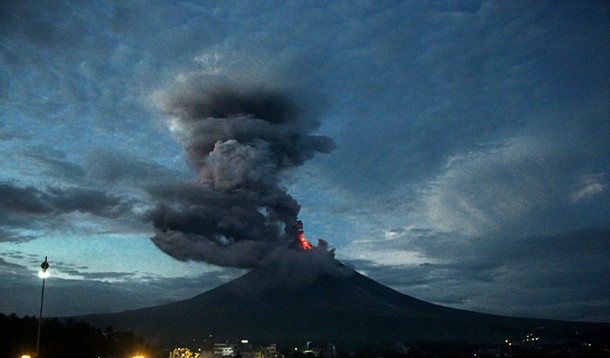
(93, 291)
(244, 253)
(12, 235)
(87, 201)
(241, 141)
(464, 79)
(483, 273)
(32, 208)
(259, 117)
(483, 120)
(28, 200)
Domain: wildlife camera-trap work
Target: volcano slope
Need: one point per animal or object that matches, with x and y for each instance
(288, 306)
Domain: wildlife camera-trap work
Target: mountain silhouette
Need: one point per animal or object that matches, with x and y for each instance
(290, 304)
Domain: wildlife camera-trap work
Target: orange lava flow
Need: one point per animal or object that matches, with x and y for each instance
(305, 245)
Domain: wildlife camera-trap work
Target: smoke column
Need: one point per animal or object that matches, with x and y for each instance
(241, 143)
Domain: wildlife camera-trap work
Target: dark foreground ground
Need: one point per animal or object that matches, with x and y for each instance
(75, 339)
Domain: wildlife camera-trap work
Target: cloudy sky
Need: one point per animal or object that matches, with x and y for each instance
(456, 151)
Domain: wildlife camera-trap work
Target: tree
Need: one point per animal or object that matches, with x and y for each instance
(183, 353)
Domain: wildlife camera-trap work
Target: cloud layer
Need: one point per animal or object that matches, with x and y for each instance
(471, 161)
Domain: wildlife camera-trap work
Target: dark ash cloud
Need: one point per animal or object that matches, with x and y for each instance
(241, 141)
(265, 119)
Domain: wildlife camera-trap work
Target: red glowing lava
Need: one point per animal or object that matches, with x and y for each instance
(303, 243)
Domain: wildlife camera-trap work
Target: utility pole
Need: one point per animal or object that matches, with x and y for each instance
(42, 274)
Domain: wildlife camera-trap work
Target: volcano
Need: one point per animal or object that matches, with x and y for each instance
(336, 305)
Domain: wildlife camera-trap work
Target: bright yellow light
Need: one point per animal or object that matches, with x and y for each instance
(26, 356)
(138, 357)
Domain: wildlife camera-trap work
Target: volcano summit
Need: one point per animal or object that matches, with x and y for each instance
(312, 296)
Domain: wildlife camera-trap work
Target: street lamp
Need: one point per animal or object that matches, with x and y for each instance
(42, 274)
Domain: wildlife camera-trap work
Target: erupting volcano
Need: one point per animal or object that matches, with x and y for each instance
(303, 244)
(308, 295)
(237, 213)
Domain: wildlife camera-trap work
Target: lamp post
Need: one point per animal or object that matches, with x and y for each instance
(42, 274)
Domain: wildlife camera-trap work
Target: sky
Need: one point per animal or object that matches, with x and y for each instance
(456, 151)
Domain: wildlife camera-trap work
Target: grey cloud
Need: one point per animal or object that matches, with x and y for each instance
(453, 299)
(27, 200)
(244, 253)
(36, 23)
(75, 90)
(469, 79)
(85, 200)
(529, 276)
(522, 188)
(111, 167)
(56, 167)
(107, 275)
(212, 112)
(73, 297)
(191, 209)
(10, 235)
(20, 290)
(7, 266)
(36, 209)
(427, 83)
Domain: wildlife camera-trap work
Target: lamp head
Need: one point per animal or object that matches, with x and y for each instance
(43, 273)
(45, 264)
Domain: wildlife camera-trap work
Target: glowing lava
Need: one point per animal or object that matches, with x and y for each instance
(303, 243)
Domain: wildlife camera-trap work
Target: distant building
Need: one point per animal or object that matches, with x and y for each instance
(243, 350)
(270, 351)
(329, 352)
(224, 350)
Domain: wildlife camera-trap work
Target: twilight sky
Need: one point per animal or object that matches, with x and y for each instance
(470, 164)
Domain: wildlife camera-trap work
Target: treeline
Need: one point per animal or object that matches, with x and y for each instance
(66, 339)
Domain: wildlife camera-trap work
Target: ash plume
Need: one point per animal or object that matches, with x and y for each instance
(241, 142)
